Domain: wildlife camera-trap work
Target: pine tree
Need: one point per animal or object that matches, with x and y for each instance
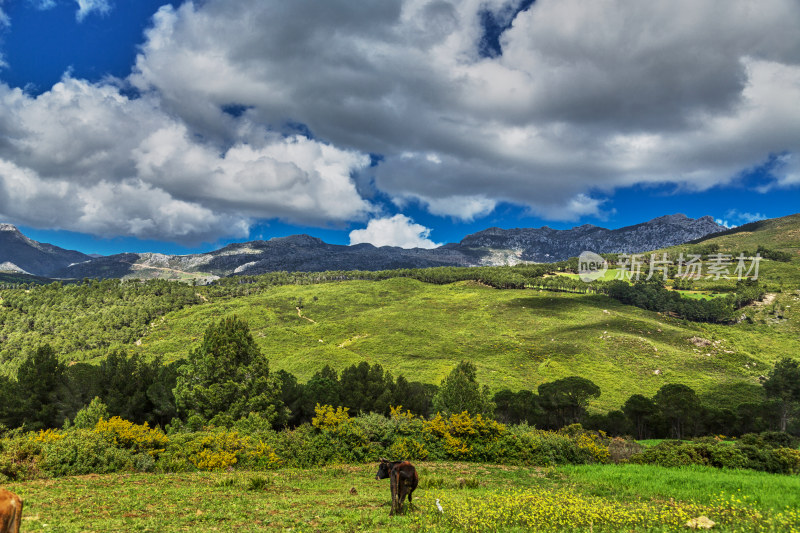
(227, 377)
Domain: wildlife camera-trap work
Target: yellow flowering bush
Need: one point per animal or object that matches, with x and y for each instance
(262, 455)
(396, 413)
(139, 438)
(466, 437)
(330, 418)
(407, 449)
(593, 445)
(218, 450)
(47, 435)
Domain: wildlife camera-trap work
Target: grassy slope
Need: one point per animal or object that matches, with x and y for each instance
(320, 499)
(776, 233)
(517, 338)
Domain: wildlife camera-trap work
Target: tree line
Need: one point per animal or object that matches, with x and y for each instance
(227, 379)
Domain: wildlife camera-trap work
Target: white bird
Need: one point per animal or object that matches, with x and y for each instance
(439, 506)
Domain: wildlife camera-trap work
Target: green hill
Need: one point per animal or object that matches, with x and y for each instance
(517, 338)
(778, 233)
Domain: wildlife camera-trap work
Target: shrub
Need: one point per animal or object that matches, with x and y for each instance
(218, 450)
(621, 450)
(407, 449)
(528, 446)
(89, 416)
(19, 458)
(84, 451)
(130, 436)
(789, 460)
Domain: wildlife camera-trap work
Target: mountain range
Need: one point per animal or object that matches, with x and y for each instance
(493, 246)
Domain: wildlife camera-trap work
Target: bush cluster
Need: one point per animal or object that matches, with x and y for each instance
(117, 445)
(755, 452)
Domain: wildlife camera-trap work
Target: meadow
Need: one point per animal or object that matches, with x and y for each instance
(473, 497)
(517, 338)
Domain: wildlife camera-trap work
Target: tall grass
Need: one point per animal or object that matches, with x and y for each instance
(696, 483)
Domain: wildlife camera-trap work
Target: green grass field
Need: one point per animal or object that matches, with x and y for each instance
(348, 498)
(517, 338)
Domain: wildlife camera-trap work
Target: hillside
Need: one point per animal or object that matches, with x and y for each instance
(517, 338)
(778, 233)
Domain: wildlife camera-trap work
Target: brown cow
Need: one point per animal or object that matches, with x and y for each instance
(10, 512)
(403, 479)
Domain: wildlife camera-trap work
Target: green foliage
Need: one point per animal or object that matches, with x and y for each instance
(227, 377)
(460, 391)
(774, 255)
(82, 451)
(713, 452)
(566, 399)
(677, 404)
(89, 416)
(642, 413)
(83, 320)
(39, 390)
(783, 384)
(652, 295)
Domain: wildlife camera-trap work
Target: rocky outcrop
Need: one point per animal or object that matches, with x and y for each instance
(309, 254)
(20, 254)
(548, 245)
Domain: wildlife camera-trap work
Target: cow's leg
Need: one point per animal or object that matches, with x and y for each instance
(393, 481)
(403, 491)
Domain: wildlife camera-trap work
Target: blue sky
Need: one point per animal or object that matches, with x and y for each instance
(137, 125)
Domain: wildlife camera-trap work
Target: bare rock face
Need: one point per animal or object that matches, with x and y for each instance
(20, 254)
(548, 245)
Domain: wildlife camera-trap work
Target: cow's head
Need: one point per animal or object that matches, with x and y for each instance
(384, 469)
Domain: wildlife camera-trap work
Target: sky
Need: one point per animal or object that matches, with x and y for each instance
(142, 125)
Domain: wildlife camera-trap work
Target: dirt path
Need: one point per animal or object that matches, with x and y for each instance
(300, 314)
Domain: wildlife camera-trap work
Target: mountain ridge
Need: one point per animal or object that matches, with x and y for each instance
(492, 246)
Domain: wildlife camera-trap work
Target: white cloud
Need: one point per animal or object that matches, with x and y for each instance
(4, 21)
(86, 158)
(466, 208)
(398, 230)
(725, 223)
(786, 173)
(43, 4)
(737, 218)
(586, 96)
(86, 7)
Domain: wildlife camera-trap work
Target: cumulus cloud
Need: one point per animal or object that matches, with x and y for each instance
(734, 218)
(398, 230)
(584, 98)
(786, 173)
(86, 158)
(86, 7)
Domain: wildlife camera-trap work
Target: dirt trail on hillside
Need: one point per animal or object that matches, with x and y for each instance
(300, 314)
